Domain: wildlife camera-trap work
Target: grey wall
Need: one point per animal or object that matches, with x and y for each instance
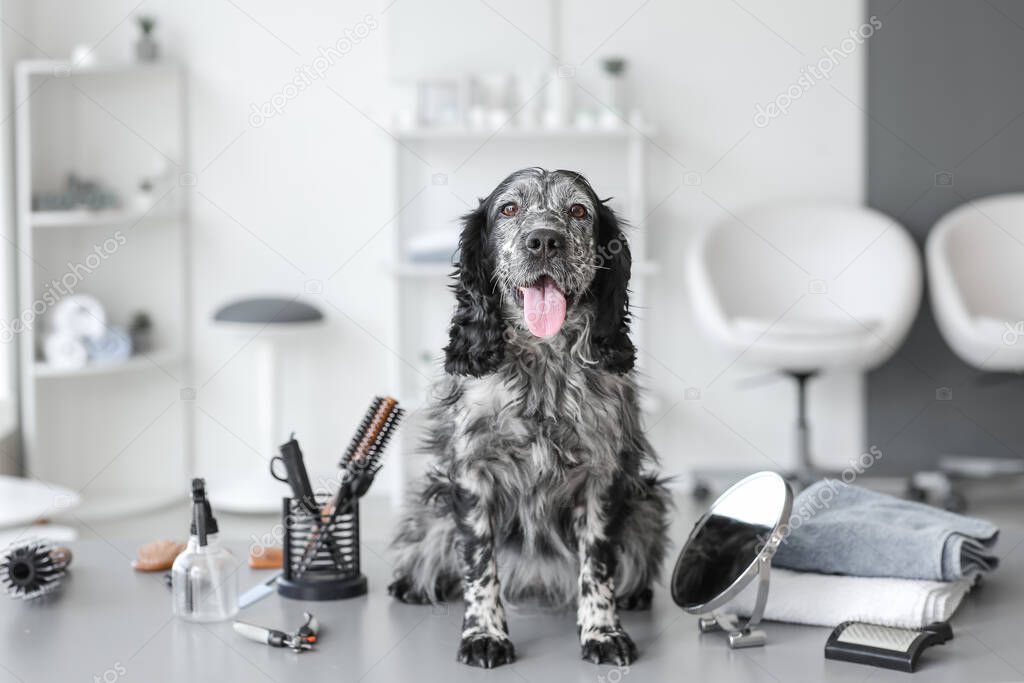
(945, 96)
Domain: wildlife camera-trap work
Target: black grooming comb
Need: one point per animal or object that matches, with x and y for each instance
(33, 569)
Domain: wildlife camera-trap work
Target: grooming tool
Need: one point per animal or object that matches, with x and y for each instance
(360, 463)
(258, 592)
(884, 646)
(295, 475)
(304, 638)
(333, 571)
(157, 556)
(33, 568)
(321, 550)
(361, 460)
(204, 581)
(265, 557)
(730, 547)
(371, 438)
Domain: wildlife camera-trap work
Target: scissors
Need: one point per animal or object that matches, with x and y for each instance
(295, 474)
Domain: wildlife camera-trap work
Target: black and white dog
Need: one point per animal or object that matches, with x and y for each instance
(539, 486)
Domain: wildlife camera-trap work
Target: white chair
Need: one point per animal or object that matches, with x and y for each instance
(975, 259)
(802, 289)
(976, 278)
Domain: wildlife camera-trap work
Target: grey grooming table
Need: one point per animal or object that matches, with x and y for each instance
(112, 624)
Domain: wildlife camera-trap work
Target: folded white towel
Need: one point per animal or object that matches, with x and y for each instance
(79, 315)
(829, 599)
(65, 351)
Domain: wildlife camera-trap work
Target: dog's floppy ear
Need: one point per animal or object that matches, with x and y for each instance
(610, 335)
(475, 342)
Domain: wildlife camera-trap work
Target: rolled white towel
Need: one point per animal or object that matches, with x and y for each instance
(829, 599)
(65, 351)
(79, 315)
(115, 346)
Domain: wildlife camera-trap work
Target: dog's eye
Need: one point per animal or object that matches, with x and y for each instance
(578, 211)
(510, 209)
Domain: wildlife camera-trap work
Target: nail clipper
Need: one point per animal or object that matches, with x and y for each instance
(302, 639)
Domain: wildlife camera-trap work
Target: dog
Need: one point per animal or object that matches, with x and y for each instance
(540, 486)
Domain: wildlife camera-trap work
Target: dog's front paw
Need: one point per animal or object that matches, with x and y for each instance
(486, 650)
(609, 647)
(402, 589)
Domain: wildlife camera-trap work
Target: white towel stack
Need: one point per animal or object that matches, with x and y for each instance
(64, 351)
(74, 322)
(829, 600)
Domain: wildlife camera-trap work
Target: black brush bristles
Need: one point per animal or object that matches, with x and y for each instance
(357, 437)
(371, 461)
(33, 569)
(372, 436)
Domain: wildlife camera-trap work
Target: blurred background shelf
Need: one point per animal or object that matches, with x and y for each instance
(455, 134)
(137, 363)
(83, 218)
(114, 137)
(57, 68)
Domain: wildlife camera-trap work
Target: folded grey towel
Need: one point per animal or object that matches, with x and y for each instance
(837, 528)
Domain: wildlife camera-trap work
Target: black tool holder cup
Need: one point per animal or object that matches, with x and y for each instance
(321, 556)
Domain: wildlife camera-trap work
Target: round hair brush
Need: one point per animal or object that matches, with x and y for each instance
(33, 568)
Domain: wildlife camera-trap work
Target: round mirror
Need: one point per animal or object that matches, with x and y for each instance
(728, 545)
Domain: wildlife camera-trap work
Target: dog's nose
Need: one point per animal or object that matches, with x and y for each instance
(544, 242)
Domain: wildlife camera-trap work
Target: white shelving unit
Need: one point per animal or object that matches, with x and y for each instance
(85, 218)
(621, 132)
(118, 433)
(457, 166)
(137, 363)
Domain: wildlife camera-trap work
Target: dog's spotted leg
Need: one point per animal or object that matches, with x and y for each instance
(602, 638)
(485, 640)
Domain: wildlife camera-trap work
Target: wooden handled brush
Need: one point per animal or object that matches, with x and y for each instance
(371, 437)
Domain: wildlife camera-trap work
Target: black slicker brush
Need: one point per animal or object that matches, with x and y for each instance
(33, 568)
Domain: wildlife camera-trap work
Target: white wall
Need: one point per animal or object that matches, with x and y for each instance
(280, 207)
(12, 48)
(698, 70)
(704, 67)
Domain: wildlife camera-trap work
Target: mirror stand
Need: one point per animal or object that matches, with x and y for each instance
(743, 634)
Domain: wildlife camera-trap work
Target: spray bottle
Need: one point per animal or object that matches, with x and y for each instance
(204, 586)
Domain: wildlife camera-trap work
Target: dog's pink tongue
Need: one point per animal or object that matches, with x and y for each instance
(544, 307)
